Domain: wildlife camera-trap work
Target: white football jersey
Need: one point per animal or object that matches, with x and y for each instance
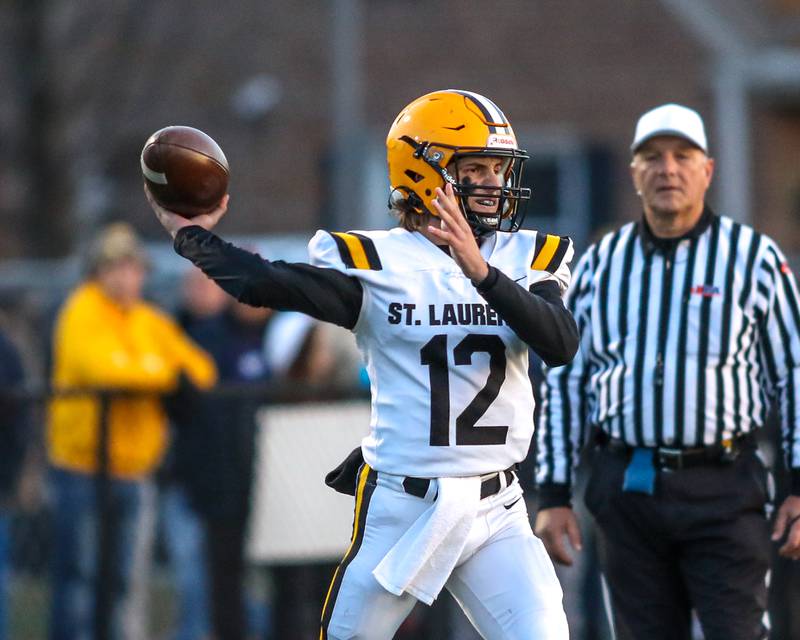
(449, 379)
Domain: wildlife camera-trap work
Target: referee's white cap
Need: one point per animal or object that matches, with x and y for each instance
(671, 120)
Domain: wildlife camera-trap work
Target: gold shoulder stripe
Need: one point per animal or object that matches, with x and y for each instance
(548, 252)
(544, 252)
(357, 251)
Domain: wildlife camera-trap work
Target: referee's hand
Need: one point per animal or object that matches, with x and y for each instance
(787, 528)
(552, 525)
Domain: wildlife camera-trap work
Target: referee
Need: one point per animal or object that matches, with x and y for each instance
(690, 334)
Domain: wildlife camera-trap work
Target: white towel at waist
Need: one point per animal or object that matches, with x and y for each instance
(421, 561)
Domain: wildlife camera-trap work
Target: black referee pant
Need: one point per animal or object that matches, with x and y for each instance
(702, 542)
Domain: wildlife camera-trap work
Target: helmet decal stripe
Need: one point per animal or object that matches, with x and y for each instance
(494, 116)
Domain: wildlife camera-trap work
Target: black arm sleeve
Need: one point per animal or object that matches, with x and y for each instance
(325, 294)
(537, 316)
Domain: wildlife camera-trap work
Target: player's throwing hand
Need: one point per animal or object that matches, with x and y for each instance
(172, 221)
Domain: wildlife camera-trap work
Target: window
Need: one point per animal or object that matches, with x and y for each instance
(569, 182)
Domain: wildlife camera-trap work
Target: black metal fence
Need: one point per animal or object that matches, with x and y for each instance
(31, 534)
(31, 531)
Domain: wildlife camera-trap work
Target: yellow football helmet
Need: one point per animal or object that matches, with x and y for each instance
(431, 133)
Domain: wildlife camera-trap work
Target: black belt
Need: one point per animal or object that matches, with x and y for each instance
(675, 458)
(490, 486)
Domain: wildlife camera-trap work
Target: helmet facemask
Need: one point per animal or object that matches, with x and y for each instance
(511, 198)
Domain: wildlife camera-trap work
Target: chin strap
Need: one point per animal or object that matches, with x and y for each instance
(431, 157)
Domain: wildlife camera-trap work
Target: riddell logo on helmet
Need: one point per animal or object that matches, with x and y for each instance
(496, 140)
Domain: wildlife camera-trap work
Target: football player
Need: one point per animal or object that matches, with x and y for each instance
(444, 308)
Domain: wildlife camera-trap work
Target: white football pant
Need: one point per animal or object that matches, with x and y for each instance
(504, 580)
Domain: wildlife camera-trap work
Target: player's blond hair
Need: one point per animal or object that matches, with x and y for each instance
(409, 219)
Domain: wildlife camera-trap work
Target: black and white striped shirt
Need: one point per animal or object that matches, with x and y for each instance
(684, 343)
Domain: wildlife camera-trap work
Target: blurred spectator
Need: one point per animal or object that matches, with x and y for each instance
(107, 337)
(303, 350)
(784, 581)
(14, 436)
(216, 442)
(581, 582)
(202, 305)
(299, 348)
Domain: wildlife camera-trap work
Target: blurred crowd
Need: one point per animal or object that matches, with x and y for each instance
(153, 471)
(155, 463)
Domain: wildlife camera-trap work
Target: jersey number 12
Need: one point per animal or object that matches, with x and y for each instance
(434, 355)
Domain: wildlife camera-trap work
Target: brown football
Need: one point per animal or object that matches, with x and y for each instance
(185, 170)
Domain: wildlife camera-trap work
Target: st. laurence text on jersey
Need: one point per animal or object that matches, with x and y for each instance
(459, 313)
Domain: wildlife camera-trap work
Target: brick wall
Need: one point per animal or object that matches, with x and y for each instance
(117, 71)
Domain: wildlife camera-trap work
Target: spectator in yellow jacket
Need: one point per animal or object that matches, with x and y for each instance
(106, 337)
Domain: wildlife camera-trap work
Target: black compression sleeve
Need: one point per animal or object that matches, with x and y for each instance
(325, 294)
(537, 316)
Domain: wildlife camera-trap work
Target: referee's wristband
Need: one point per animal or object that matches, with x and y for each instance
(795, 478)
(554, 495)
